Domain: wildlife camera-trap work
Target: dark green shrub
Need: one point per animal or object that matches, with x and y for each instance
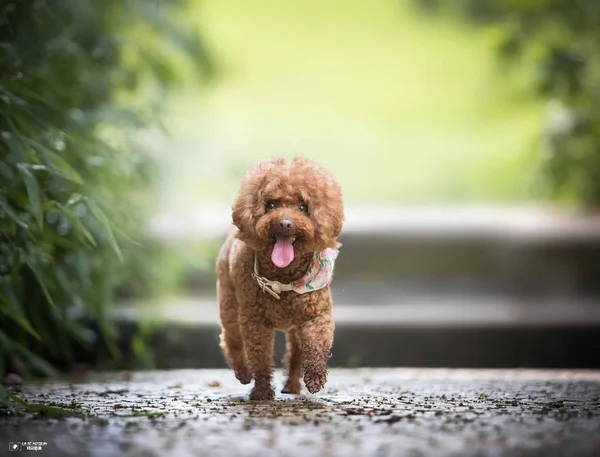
(78, 79)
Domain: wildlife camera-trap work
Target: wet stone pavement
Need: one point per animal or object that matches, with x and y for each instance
(363, 412)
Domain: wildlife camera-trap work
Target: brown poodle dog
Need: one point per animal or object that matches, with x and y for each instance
(274, 272)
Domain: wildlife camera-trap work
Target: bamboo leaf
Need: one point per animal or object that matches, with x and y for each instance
(40, 279)
(12, 346)
(16, 267)
(101, 217)
(74, 198)
(27, 93)
(4, 395)
(18, 137)
(33, 192)
(45, 410)
(21, 320)
(87, 238)
(16, 399)
(35, 361)
(58, 163)
(8, 210)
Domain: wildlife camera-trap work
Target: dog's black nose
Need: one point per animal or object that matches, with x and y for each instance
(285, 225)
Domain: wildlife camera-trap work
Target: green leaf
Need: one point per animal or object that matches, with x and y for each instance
(19, 137)
(21, 320)
(104, 289)
(35, 361)
(48, 411)
(161, 68)
(58, 164)
(16, 399)
(25, 92)
(191, 44)
(6, 207)
(74, 198)
(40, 279)
(33, 192)
(4, 396)
(16, 265)
(101, 217)
(32, 359)
(88, 238)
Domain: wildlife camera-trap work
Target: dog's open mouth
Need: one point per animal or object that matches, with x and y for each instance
(295, 239)
(283, 251)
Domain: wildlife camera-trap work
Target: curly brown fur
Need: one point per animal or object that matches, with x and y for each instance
(309, 200)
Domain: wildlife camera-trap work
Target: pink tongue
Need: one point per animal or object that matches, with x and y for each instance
(283, 253)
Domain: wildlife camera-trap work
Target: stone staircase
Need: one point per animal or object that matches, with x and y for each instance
(433, 286)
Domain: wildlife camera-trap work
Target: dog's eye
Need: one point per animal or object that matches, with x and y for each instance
(270, 204)
(303, 207)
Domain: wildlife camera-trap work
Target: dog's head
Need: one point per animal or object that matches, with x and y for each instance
(289, 207)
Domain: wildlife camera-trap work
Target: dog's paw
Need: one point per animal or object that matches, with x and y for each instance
(262, 393)
(291, 387)
(315, 380)
(243, 375)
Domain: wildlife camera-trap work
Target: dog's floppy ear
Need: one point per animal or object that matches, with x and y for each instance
(326, 207)
(328, 215)
(246, 207)
(242, 213)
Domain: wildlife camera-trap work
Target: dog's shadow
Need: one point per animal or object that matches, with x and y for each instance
(282, 406)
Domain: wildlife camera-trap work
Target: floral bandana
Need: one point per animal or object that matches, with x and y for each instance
(318, 276)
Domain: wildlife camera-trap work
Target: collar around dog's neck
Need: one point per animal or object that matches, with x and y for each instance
(318, 275)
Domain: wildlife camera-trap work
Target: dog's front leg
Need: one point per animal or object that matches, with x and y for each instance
(316, 339)
(259, 341)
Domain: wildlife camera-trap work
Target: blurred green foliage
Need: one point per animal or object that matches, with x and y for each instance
(560, 40)
(414, 99)
(78, 82)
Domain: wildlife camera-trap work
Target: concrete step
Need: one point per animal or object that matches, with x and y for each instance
(523, 251)
(425, 331)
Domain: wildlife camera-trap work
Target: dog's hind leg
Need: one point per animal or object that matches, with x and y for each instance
(293, 364)
(231, 336)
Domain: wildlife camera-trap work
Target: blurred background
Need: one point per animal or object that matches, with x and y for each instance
(465, 135)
